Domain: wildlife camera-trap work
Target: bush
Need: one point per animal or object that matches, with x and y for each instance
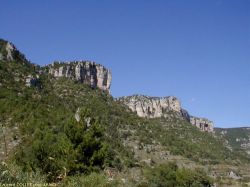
(169, 174)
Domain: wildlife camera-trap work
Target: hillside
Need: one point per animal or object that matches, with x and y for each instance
(237, 139)
(156, 107)
(62, 130)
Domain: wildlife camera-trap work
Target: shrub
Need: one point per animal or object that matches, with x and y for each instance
(169, 174)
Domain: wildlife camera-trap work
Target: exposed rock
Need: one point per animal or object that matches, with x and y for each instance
(223, 132)
(154, 107)
(185, 114)
(233, 175)
(202, 123)
(89, 73)
(245, 145)
(77, 115)
(8, 52)
(31, 80)
(88, 120)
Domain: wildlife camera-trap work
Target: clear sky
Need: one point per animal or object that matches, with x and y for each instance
(197, 50)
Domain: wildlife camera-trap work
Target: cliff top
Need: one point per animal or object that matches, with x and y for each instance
(74, 62)
(141, 96)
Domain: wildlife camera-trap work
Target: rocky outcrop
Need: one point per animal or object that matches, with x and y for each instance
(8, 52)
(202, 123)
(151, 107)
(31, 80)
(86, 72)
(89, 73)
(154, 107)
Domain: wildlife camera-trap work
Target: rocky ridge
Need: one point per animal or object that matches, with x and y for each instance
(8, 52)
(97, 76)
(89, 73)
(151, 107)
(86, 72)
(155, 107)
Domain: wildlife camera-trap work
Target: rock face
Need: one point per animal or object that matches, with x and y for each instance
(89, 73)
(151, 107)
(154, 107)
(86, 72)
(8, 52)
(202, 123)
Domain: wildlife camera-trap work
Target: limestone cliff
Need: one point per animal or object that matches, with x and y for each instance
(151, 107)
(202, 123)
(89, 73)
(86, 72)
(154, 107)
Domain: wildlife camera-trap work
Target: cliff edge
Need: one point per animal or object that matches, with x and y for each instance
(155, 107)
(86, 72)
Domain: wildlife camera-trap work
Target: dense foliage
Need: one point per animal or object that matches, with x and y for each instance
(76, 147)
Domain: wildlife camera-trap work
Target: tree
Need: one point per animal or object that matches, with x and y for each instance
(89, 149)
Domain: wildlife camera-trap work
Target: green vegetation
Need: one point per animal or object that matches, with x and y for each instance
(238, 138)
(181, 138)
(52, 141)
(170, 175)
(77, 147)
(92, 180)
(11, 174)
(47, 143)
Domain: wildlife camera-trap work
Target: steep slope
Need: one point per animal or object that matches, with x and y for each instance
(61, 127)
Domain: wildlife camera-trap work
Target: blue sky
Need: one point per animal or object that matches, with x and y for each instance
(197, 50)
